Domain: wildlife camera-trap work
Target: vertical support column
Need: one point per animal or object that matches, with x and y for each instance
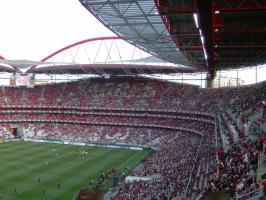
(219, 79)
(210, 82)
(256, 75)
(237, 80)
(216, 142)
(210, 79)
(201, 80)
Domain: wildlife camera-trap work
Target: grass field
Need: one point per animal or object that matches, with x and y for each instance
(22, 164)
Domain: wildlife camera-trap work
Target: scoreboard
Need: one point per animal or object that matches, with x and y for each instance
(22, 80)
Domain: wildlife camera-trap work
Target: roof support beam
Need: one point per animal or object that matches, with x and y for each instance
(206, 12)
(242, 48)
(247, 31)
(243, 9)
(173, 11)
(186, 34)
(165, 8)
(240, 5)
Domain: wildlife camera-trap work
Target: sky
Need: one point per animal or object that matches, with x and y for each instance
(32, 29)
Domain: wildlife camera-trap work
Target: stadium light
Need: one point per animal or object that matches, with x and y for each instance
(200, 31)
(156, 13)
(205, 53)
(195, 15)
(202, 40)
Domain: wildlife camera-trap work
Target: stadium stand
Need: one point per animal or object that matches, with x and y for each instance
(184, 124)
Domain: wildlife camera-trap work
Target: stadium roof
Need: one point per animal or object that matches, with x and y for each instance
(47, 65)
(140, 24)
(209, 35)
(98, 69)
(114, 69)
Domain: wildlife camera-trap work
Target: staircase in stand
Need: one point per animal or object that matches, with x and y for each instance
(262, 164)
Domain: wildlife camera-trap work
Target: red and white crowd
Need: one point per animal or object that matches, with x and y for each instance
(176, 120)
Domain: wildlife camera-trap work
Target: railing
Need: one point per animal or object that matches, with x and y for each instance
(197, 197)
(260, 160)
(194, 165)
(255, 194)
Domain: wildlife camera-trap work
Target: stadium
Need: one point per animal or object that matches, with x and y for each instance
(171, 106)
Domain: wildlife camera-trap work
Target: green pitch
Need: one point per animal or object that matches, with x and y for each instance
(55, 172)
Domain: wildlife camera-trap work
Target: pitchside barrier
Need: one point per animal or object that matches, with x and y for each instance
(113, 146)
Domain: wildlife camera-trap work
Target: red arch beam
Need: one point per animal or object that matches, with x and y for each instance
(76, 44)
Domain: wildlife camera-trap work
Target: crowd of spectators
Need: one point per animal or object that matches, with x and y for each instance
(173, 169)
(137, 111)
(134, 93)
(237, 169)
